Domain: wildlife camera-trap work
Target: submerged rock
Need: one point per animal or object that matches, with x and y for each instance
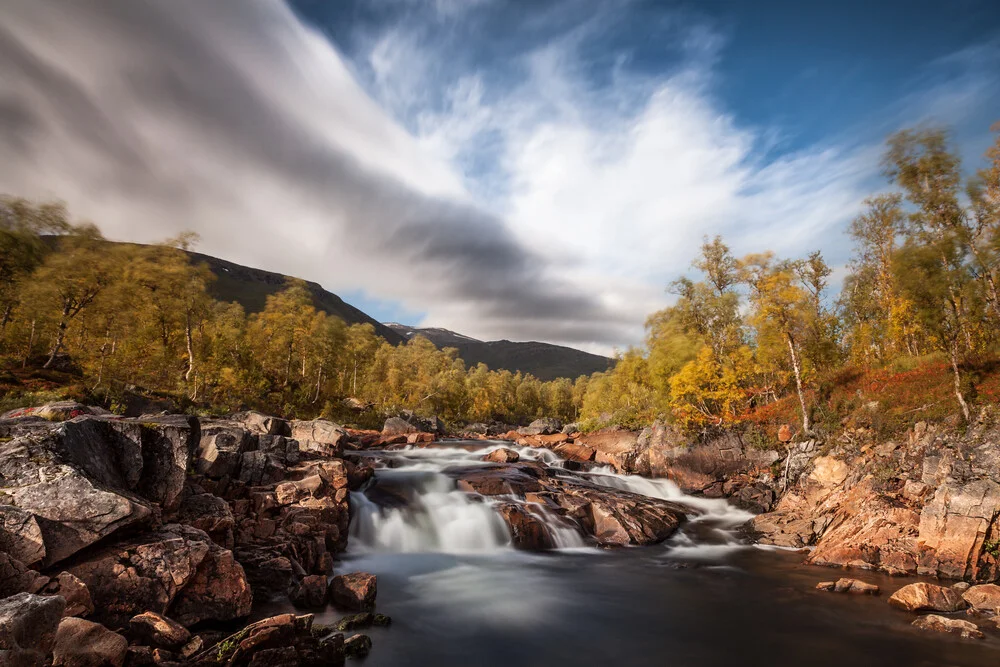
(845, 585)
(935, 623)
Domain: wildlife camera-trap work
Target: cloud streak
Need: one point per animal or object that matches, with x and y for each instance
(550, 196)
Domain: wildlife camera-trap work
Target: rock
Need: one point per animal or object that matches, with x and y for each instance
(828, 586)
(496, 480)
(575, 452)
(81, 643)
(785, 433)
(219, 590)
(927, 597)
(309, 592)
(984, 598)
(935, 623)
(952, 526)
(211, 514)
(571, 428)
(177, 568)
(829, 471)
(262, 424)
(57, 411)
(158, 630)
(397, 426)
(319, 437)
(285, 656)
(527, 531)
(961, 586)
(28, 626)
(845, 585)
(20, 535)
(355, 621)
(356, 590)
(74, 591)
(544, 426)
(357, 646)
(16, 577)
(221, 447)
(502, 455)
(72, 511)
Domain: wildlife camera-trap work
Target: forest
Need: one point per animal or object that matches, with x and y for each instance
(745, 336)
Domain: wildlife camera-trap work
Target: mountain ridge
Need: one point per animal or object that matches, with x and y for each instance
(546, 361)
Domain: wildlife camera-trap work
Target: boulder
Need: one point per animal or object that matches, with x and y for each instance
(527, 531)
(829, 471)
(72, 507)
(319, 437)
(261, 424)
(177, 568)
(158, 630)
(20, 535)
(309, 592)
(81, 643)
(57, 411)
(74, 591)
(354, 591)
(28, 626)
(209, 513)
(502, 455)
(16, 577)
(397, 426)
(935, 623)
(357, 646)
(218, 591)
(221, 448)
(984, 598)
(575, 452)
(927, 597)
(544, 426)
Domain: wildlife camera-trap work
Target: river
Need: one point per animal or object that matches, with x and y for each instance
(459, 594)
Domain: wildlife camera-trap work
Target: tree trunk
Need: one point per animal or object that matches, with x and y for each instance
(190, 346)
(31, 344)
(5, 319)
(60, 337)
(796, 368)
(958, 382)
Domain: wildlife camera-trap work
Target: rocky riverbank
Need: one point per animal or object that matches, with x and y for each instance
(150, 541)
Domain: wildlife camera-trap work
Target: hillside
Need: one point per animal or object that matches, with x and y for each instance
(250, 288)
(543, 360)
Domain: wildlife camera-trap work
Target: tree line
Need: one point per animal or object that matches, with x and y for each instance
(133, 318)
(921, 285)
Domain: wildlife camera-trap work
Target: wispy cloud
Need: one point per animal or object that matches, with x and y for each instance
(539, 187)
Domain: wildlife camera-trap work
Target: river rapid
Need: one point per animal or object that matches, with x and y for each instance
(460, 594)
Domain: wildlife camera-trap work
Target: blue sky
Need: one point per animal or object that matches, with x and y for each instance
(504, 168)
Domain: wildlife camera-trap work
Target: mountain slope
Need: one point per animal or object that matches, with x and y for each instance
(543, 360)
(250, 288)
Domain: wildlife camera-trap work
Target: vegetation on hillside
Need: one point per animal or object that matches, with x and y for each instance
(753, 342)
(758, 341)
(114, 320)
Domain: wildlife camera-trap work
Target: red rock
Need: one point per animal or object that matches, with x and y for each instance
(502, 455)
(983, 598)
(354, 591)
(310, 592)
(74, 591)
(157, 630)
(81, 643)
(785, 433)
(528, 532)
(574, 451)
(927, 597)
(855, 586)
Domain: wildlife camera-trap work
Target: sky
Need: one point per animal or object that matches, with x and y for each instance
(519, 169)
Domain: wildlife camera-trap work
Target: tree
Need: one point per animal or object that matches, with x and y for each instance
(782, 307)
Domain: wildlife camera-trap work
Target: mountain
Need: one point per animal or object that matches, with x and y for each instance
(543, 360)
(251, 287)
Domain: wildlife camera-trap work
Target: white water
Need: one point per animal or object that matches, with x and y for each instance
(434, 517)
